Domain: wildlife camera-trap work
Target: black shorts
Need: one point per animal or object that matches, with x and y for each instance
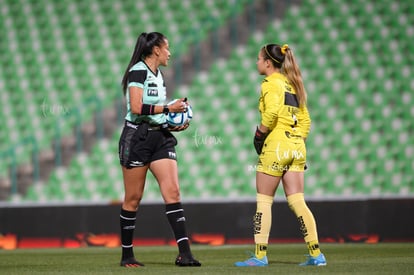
(141, 144)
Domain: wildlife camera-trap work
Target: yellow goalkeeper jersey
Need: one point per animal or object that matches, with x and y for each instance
(279, 107)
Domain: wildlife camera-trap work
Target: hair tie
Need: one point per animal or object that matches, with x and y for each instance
(284, 48)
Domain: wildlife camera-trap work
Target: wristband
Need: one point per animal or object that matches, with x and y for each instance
(147, 109)
(166, 110)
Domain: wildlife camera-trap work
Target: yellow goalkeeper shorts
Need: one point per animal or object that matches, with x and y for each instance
(282, 153)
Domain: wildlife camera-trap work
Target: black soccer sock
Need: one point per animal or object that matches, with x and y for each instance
(175, 215)
(127, 222)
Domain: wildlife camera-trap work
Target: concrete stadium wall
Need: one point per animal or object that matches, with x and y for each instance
(210, 223)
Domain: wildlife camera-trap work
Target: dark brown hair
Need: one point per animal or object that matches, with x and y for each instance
(143, 48)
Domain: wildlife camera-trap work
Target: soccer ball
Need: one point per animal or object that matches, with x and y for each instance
(179, 119)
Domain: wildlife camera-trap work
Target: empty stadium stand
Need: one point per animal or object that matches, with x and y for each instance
(62, 60)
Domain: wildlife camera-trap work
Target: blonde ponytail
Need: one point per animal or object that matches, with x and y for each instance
(291, 69)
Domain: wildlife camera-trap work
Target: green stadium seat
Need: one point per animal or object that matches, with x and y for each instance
(354, 109)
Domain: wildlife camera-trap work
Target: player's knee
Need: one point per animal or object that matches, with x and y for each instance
(132, 201)
(172, 195)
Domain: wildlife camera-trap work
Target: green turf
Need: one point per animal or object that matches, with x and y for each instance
(381, 258)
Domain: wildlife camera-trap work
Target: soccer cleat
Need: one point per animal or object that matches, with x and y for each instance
(130, 262)
(253, 261)
(186, 260)
(316, 261)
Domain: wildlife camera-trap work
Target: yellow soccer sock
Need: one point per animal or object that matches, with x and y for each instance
(262, 223)
(261, 250)
(313, 247)
(307, 222)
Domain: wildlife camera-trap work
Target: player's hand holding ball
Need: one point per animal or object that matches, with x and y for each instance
(178, 105)
(180, 114)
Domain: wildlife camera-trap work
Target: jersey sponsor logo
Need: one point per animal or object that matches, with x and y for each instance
(290, 135)
(152, 92)
(152, 89)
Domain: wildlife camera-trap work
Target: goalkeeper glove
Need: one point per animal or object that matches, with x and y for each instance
(259, 139)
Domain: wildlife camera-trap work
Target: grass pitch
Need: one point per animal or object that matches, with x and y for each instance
(384, 258)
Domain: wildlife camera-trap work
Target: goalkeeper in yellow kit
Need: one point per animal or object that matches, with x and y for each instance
(280, 142)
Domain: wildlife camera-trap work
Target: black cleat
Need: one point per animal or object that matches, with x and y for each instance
(186, 260)
(131, 262)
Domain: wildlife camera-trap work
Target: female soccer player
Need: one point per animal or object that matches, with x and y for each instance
(280, 143)
(147, 144)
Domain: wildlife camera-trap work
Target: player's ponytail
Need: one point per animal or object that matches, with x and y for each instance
(291, 69)
(282, 57)
(143, 48)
